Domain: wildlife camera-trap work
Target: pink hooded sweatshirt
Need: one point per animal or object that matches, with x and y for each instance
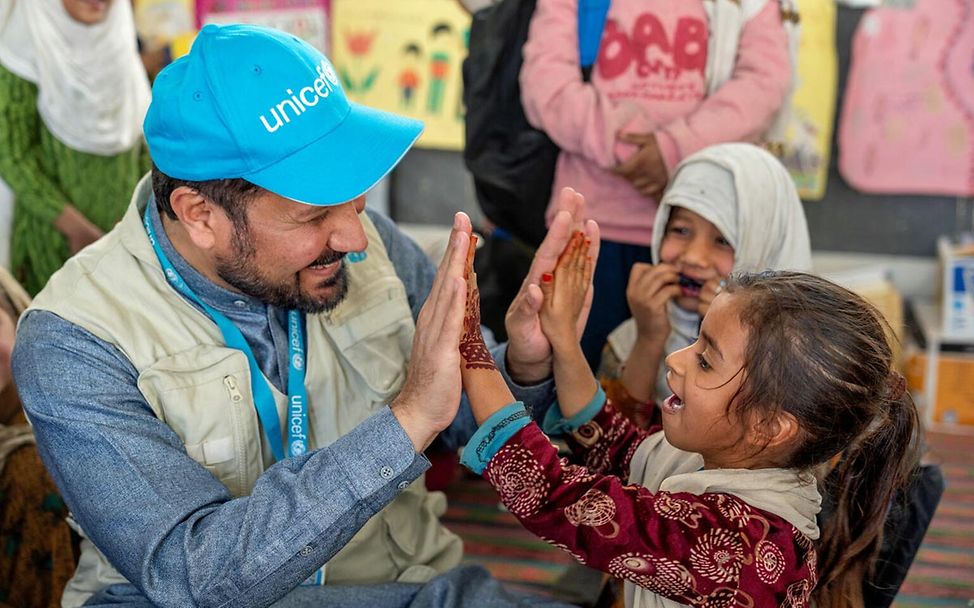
(649, 78)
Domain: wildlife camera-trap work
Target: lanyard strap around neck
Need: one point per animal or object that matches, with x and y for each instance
(297, 414)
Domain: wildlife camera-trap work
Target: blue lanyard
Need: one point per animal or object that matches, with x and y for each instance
(297, 395)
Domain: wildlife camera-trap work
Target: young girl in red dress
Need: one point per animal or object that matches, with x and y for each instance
(717, 506)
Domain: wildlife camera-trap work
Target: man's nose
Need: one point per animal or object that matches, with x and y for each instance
(347, 233)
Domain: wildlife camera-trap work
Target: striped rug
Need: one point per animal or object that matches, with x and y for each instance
(942, 574)
(943, 571)
(493, 538)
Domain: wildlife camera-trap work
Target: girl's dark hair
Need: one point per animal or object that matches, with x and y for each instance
(231, 195)
(820, 353)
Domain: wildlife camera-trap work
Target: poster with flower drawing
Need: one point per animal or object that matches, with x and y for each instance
(405, 57)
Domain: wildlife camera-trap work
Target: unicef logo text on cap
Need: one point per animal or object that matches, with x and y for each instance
(306, 98)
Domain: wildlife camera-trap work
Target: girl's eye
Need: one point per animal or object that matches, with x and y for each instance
(723, 242)
(680, 230)
(702, 363)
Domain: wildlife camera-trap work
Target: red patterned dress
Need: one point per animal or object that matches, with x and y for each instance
(677, 534)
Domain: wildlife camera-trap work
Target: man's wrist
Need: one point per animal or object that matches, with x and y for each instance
(527, 374)
(419, 430)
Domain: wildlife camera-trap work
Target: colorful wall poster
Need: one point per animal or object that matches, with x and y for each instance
(405, 57)
(808, 138)
(166, 23)
(907, 123)
(306, 19)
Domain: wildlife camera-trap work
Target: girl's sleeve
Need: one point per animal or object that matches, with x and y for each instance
(695, 550)
(745, 105)
(20, 150)
(574, 114)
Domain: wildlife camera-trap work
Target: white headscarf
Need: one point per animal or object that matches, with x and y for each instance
(748, 195)
(92, 88)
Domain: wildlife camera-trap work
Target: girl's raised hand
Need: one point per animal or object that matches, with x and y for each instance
(473, 350)
(564, 292)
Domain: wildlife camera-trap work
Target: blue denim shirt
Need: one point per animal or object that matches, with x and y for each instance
(166, 523)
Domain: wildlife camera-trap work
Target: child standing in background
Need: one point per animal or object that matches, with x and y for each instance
(717, 506)
(730, 207)
(672, 77)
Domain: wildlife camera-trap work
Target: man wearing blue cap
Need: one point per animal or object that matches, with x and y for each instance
(219, 386)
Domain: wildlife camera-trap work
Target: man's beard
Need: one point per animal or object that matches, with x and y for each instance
(241, 273)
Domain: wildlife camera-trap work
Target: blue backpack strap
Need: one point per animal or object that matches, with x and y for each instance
(591, 23)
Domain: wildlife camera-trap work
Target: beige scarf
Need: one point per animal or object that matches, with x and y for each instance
(92, 89)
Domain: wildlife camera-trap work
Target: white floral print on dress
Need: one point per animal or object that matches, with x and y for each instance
(718, 555)
(677, 509)
(769, 561)
(519, 480)
(595, 509)
(657, 574)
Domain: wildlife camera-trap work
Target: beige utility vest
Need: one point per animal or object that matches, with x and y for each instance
(356, 363)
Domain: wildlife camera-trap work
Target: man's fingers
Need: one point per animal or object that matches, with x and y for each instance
(554, 243)
(571, 201)
(594, 239)
(453, 319)
(453, 267)
(460, 232)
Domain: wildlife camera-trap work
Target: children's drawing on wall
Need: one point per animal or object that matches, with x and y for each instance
(441, 43)
(359, 75)
(165, 24)
(907, 122)
(406, 58)
(808, 136)
(409, 78)
(306, 19)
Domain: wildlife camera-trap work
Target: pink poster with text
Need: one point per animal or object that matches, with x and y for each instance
(907, 124)
(306, 19)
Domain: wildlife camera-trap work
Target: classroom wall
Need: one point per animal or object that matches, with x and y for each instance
(429, 185)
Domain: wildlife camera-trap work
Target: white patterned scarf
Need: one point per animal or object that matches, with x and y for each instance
(92, 88)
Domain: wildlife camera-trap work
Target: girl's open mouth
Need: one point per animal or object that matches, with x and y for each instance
(671, 405)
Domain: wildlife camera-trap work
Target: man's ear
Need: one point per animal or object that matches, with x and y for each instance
(197, 215)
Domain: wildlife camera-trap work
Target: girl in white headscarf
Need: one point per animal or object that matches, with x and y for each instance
(73, 94)
(730, 207)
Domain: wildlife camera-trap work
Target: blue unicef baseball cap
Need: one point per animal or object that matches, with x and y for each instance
(259, 104)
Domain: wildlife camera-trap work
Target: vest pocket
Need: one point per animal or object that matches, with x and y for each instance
(203, 394)
(376, 343)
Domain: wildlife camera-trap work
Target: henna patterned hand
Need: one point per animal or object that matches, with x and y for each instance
(473, 351)
(565, 292)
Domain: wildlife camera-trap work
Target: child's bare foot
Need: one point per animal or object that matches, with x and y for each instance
(565, 291)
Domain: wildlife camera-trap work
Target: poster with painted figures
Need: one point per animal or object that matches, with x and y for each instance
(306, 19)
(907, 123)
(405, 57)
(809, 133)
(166, 23)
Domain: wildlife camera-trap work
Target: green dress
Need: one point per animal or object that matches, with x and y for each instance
(45, 175)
